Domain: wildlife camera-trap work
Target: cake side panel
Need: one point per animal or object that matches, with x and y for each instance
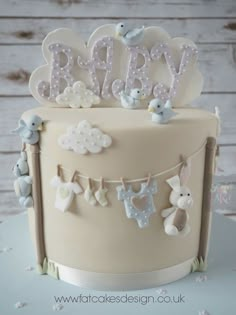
(103, 239)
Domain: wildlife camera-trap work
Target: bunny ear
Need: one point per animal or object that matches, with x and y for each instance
(174, 182)
(185, 171)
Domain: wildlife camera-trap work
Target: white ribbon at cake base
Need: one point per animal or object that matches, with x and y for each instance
(123, 281)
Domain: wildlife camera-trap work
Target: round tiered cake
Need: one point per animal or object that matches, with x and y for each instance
(118, 179)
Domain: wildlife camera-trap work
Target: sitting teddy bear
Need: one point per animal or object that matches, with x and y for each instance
(176, 217)
(23, 183)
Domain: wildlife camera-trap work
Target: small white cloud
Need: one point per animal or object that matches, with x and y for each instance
(84, 138)
(78, 96)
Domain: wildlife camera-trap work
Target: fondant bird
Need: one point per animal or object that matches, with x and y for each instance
(29, 130)
(161, 113)
(131, 101)
(129, 37)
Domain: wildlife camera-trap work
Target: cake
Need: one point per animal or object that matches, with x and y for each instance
(116, 166)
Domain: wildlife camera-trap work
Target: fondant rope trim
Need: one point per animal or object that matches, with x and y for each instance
(116, 181)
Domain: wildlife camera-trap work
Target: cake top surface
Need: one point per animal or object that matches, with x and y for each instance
(125, 119)
(116, 60)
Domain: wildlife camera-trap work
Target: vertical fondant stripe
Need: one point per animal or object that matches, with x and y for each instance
(206, 200)
(38, 205)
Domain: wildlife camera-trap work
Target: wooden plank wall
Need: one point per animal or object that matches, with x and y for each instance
(24, 24)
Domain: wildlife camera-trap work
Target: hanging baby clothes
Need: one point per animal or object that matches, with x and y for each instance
(138, 205)
(101, 194)
(65, 192)
(88, 194)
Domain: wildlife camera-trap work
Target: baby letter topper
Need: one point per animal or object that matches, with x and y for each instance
(176, 217)
(65, 190)
(138, 205)
(162, 67)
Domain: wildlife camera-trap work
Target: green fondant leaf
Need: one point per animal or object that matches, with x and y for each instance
(45, 265)
(202, 265)
(48, 268)
(39, 269)
(53, 270)
(198, 265)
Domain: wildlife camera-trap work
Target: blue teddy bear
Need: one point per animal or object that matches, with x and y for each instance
(23, 183)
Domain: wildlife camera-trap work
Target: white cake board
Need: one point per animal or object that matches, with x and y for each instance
(216, 295)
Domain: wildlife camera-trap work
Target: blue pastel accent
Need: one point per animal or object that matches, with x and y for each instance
(28, 130)
(141, 216)
(161, 113)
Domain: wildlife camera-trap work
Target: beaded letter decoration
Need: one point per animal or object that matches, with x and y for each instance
(83, 138)
(138, 205)
(116, 60)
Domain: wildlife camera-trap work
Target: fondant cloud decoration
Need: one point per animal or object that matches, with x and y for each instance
(77, 96)
(83, 138)
(160, 66)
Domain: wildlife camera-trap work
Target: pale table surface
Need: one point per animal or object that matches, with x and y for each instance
(216, 295)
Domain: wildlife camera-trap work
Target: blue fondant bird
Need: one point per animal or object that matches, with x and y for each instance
(161, 113)
(131, 100)
(29, 130)
(129, 37)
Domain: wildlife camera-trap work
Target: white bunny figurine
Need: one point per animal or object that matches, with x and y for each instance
(176, 217)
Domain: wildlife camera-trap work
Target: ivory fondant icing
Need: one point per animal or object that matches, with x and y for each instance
(126, 162)
(102, 239)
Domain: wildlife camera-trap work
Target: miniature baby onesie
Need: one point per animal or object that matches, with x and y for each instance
(65, 193)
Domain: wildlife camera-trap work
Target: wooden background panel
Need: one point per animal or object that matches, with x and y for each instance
(118, 8)
(33, 31)
(17, 63)
(9, 205)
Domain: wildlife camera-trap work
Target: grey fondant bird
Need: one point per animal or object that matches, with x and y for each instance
(161, 112)
(28, 129)
(132, 100)
(129, 37)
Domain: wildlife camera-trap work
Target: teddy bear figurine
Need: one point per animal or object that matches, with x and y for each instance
(23, 183)
(176, 217)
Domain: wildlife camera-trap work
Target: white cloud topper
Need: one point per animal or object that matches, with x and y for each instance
(78, 96)
(83, 138)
